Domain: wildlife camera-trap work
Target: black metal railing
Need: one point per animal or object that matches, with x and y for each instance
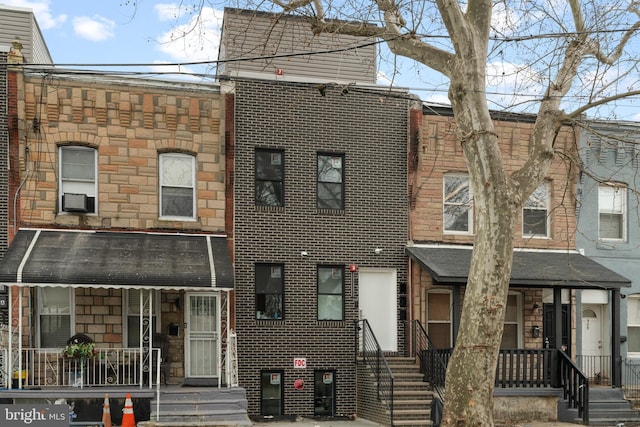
(631, 379)
(433, 362)
(575, 386)
(596, 368)
(371, 352)
(524, 367)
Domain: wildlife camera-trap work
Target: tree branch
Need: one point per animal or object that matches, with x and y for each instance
(579, 111)
(403, 44)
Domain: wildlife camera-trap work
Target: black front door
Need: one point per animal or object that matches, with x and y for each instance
(548, 329)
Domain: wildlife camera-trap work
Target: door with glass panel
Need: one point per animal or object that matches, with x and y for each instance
(202, 329)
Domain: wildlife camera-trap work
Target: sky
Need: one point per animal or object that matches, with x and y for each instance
(147, 32)
(116, 32)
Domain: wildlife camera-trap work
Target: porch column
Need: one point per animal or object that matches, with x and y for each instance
(616, 359)
(557, 335)
(456, 314)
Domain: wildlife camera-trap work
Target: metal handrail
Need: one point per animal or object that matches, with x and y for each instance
(433, 361)
(372, 354)
(575, 386)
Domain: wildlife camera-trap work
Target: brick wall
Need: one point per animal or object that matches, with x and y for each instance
(130, 126)
(370, 128)
(435, 152)
(439, 152)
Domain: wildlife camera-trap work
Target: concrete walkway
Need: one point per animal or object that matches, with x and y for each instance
(307, 422)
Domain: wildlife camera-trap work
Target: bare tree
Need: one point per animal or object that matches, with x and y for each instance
(573, 49)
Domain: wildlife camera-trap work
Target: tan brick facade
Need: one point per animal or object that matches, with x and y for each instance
(129, 126)
(129, 123)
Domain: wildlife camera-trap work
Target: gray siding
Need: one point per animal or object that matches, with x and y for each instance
(249, 34)
(370, 129)
(21, 23)
(610, 152)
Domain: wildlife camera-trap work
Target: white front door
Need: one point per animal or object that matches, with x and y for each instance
(594, 365)
(202, 336)
(378, 302)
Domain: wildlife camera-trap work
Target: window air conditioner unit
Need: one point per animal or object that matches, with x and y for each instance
(74, 202)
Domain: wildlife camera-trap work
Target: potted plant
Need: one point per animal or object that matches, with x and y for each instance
(80, 350)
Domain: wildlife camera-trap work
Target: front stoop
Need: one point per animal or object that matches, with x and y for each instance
(607, 407)
(199, 406)
(412, 395)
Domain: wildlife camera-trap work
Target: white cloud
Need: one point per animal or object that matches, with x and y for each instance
(196, 40)
(41, 10)
(96, 28)
(168, 11)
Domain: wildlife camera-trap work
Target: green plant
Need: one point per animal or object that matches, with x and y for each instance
(83, 350)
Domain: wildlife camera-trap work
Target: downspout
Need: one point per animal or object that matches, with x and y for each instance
(17, 193)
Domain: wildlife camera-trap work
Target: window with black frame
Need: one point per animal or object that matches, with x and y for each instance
(331, 292)
(269, 283)
(330, 181)
(269, 177)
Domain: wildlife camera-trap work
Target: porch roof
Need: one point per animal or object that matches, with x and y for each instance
(543, 268)
(43, 257)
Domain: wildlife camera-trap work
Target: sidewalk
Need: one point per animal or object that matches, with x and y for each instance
(360, 422)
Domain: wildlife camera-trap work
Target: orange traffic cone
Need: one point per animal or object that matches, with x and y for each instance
(128, 419)
(106, 412)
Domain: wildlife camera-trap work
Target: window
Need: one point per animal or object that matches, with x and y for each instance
(269, 291)
(324, 393)
(54, 309)
(330, 181)
(535, 214)
(77, 179)
(271, 393)
(633, 324)
(439, 318)
(612, 209)
(330, 293)
(177, 189)
(458, 204)
(269, 177)
(512, 323)
(132, 309)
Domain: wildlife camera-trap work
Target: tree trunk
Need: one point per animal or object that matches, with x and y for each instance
(471, 372)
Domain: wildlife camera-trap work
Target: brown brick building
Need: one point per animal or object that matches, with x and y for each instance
(119, 222)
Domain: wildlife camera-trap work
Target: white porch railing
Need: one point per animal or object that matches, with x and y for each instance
(109, 367)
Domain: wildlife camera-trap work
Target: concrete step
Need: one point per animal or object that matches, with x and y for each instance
(413, 423)
(200, 407)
